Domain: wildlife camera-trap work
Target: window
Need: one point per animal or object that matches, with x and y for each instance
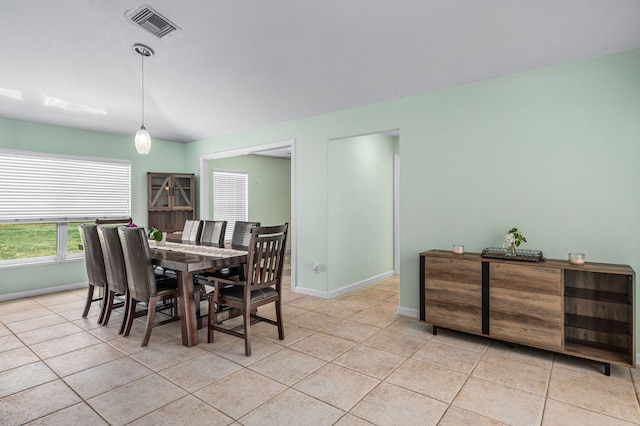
(46, 196)
(230, 198)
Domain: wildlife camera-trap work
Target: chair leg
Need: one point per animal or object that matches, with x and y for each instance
(108, 307)
(127, 302)
(247, 330)
(130, 314)
(151, 312)
(87, 305)
(210, 319)
(279, 319)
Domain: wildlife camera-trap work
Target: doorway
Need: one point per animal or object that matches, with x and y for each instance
(282, 150)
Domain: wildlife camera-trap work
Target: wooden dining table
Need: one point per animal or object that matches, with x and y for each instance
(185, 259)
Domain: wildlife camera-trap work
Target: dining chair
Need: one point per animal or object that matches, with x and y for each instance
(192, 230)
(144, 285)
(115, 271)
(213, 232)
(94, 262)
(239, 241)
(263, 285)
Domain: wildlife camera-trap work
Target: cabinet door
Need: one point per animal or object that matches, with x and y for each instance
(182, 192)
(525, 305)
(159, 190)
(453, 293)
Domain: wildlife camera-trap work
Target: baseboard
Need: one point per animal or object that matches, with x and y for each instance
(359, 284)
(343, 290)
(41, 291)
(408, 312)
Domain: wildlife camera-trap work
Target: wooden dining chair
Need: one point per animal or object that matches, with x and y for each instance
(262, 285)
(115, 272)
(94, 261)
(143, 284)
(239, 241)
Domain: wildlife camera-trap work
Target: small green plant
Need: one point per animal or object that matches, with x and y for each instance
(155, 234)
(514, 238)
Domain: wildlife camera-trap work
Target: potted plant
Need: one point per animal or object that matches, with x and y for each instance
(157, 235)
(513, 239)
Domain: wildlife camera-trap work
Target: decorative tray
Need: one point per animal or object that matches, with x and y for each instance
(522, 255)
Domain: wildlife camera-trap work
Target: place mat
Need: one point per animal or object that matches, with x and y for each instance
(196, 249)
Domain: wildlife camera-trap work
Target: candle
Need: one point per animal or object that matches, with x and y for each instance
(458, 249)
(576, 258)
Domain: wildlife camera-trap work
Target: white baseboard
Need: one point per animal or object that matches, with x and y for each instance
(41, 291)
(408, 312)
(359, 284)
(343, 290)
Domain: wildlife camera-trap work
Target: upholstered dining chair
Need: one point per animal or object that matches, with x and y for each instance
(143, 284)
(115, 271)
(213, 232)
(192, 230)
(263, 285)
(94, 262)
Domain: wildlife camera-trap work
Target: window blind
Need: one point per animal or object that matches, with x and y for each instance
(229, 198)
(48, 188)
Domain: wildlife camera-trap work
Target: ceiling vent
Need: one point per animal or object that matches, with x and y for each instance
(153, 22)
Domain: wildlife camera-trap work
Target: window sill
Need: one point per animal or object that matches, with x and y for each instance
(27, 263)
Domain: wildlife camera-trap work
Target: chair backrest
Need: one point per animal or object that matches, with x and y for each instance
(137, 261)
(213, 232)
(113, 258)
(266, 256)
(242, 234)
(192, 230)
(93, 257)
(114, 221)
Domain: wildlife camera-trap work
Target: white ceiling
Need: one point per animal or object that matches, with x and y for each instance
(242, 64)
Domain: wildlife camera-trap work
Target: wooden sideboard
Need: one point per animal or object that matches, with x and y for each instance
(586, 311)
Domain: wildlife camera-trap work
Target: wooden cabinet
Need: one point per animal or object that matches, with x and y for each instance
(525, 304)
(454, 294)
(585, 311)
(170, 200)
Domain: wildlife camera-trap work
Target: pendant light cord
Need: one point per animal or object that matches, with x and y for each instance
(142, 59)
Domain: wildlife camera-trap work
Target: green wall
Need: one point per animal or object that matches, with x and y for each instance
(268, 186)
(553, 152)
(27, 136)
(360, 209)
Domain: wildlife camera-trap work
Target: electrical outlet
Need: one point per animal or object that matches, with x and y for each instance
(367, 260)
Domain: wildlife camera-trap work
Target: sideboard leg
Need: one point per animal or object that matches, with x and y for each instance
(435, 330)
(607, 369)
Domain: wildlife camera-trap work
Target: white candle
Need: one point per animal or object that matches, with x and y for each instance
(458, 249)
(576, 258)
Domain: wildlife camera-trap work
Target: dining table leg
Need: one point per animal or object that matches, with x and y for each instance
(188, 321)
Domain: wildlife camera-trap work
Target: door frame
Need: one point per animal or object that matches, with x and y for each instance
(204, 188)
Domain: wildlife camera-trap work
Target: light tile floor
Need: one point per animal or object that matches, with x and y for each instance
(347, 361)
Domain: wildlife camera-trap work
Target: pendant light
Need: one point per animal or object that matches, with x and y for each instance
(143, 139)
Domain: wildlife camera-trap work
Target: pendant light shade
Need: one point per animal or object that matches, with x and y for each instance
(143, 139)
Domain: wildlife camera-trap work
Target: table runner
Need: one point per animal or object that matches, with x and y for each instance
(197, 249)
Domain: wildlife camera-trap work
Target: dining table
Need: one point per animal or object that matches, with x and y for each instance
(186, 259)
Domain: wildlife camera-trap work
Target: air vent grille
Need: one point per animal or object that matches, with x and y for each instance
(153, 22)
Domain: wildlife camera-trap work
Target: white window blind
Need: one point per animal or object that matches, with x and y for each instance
(47, 188)
(229, 198)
